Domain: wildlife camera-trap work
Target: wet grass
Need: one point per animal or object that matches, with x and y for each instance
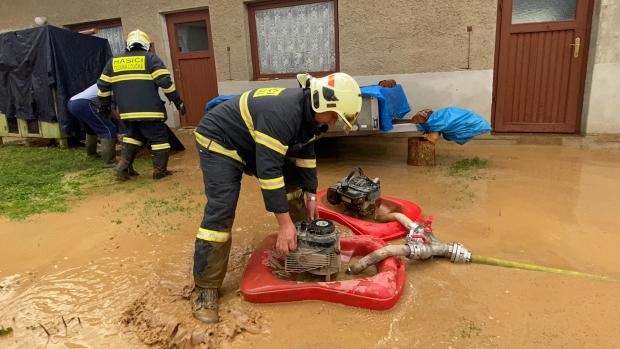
(36, 180)
(40, 179)
(467, 167)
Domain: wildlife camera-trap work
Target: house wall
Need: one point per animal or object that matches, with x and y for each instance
(420, 43)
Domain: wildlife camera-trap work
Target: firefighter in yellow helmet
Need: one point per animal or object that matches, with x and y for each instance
(268, 133)
(133, 79)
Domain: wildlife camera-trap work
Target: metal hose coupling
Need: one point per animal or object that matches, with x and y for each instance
(458, 253)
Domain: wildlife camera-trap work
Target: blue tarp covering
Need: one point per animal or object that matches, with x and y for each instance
(456, 125)
(392, 103)
(217, 100)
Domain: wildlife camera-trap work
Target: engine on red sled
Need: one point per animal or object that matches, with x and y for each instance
(317, 253)
(357, 192)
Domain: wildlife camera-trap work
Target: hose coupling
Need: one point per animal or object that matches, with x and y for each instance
(458, 253)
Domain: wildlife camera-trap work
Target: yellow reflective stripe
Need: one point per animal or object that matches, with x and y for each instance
(126, 77)
(305, 163)
(216, 147)
(245, 113)
(212, 235)
(160, 72)
(105, 78)
(160, 146)
(270, 142)
(170, 89)
(130, 140)
(143, 115)
(271, 184)
(104, 94)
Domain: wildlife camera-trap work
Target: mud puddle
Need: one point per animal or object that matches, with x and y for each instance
(115, 271)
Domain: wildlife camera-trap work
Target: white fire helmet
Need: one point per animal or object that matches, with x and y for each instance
(138, 37)
(337, 92)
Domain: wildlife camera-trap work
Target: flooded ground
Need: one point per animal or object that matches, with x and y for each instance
(115, 271)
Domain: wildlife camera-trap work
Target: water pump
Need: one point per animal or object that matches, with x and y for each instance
(318, 249)
(358, 192)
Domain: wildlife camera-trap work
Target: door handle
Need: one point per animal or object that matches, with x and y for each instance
(576, 47)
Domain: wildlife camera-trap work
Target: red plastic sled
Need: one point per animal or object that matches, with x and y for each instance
(385, 231)
(378, 292)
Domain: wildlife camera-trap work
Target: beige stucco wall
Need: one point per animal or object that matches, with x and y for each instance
(601, 103)
(376, 37)
(421, 43)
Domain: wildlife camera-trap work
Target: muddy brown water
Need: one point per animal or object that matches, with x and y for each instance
(115, 271)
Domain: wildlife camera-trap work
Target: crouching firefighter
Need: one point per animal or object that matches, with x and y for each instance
(133, 79)
(268, 133)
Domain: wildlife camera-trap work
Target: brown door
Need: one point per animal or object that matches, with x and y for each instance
(540, 65)
(191, 49)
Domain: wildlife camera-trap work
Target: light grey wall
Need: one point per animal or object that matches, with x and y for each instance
(420, 43)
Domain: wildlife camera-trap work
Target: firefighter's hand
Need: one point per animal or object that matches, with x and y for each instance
(180, 106)
(287, 234)
(311, 206)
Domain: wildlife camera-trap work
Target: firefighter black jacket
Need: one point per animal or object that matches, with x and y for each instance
(263, 128)
(134, 78)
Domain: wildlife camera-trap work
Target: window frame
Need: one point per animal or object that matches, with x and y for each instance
(106, 23)
(272, 4)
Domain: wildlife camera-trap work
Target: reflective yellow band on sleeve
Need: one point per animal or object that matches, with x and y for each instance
(105, 78)
(160, 72)
(127, 77)
(143, 115)
(104, 94)
(130, 140)
(272, 184)
(170, 89)
(305, 163)
(215, 147)
(245, 113)
(270, 142)
(213, 235)
(160, 146)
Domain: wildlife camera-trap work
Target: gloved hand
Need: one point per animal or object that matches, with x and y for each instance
(178, 103)
(104, 110)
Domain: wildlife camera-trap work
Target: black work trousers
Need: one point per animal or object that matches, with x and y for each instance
(222, 180)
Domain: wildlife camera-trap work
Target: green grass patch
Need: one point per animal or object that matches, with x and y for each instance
(41, 179)
(467, 167)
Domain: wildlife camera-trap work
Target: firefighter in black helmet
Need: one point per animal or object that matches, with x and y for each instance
(134, 78)
(268, 133)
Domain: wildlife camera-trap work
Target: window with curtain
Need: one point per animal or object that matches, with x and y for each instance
(293, 37)
(112, 30)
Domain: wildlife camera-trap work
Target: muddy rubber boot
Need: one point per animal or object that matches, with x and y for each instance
(90, 143)
(128, 154)
(108, 152)
(205, 304)
(160, 164)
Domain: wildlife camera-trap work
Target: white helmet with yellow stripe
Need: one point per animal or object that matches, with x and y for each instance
(337, 92)
(138, 37)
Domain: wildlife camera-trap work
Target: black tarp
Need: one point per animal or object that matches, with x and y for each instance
(33, 62)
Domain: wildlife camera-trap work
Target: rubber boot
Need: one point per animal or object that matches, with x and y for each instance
(205, 304)
(90, 143)
(128, 154)
(160, 164)
(108, 152)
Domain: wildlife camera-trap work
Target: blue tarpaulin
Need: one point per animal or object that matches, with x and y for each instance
(217, 100)
(392, 103)
(455, 124)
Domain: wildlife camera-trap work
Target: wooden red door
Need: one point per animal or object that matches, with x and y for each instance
(191, 48)
(540, 65)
